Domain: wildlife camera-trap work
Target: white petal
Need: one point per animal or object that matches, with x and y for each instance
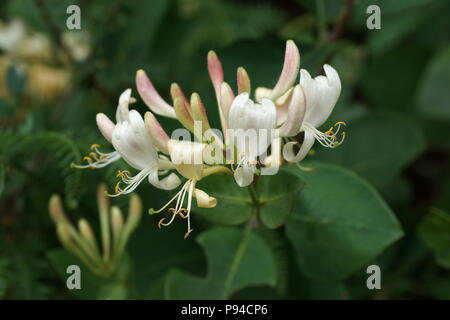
(321, 94)
(187, 157)
(131, 140)
(244, 175)
(122, 109)
(288, 149)
(168, 183)
(105, 125)
(246, 115)
(204, 200)
(295, 113)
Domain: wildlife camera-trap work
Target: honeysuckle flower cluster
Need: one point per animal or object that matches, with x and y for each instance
(115, 232)
(283, 119)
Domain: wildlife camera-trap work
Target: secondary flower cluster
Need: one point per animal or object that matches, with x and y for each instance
(249, 127)
(115, 232)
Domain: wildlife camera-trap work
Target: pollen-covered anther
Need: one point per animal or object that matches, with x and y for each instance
(188, 233)
(117, 188)
(160, 222)
(93, 155)
(122, 174)
(94, 146)
(88, 159)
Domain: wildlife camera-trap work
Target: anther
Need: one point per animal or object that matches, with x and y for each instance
(160, 222)
(95, 145)
(188, 233)
(116, 189)
(87, 159)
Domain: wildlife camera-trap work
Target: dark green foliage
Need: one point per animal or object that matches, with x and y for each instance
(380, 198)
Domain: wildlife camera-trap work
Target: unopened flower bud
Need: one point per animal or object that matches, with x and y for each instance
(243, 81)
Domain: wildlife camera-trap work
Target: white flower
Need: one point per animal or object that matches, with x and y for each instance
(132, 141)
(321, 95)
(251, 131)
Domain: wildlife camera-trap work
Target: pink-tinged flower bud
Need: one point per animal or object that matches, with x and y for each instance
(151, 97)
(295, 113)
(290, 71)
(182, 113)
(105, 125)
(243, 81)
(215, 72)
(175, 91)
(226, 99)
(198, 111)
(157, 135)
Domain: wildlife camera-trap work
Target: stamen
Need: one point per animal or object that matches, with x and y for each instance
(101, 159)
(94, 146)
(184, 213)
(131, 182)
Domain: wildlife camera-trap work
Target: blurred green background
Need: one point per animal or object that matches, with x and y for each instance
(395, 100)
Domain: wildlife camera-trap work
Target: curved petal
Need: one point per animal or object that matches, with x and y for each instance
(105, 125)
(321, 93)
(288, 149)
(244, 175)
(204, 200)
(156, 133)
(131, 140)
(168, 183)
(290, 71)
(295, 113)
(254, 121)
(122, 109)
(151, 97)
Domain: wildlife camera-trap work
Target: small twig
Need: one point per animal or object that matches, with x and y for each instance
(346, 14)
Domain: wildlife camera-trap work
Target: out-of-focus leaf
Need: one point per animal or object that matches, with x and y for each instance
(339, 224)
(377, 147)
(237, 258)
(435, 231)
(15, 81)
(2, 174)
(113, 291)
(276, 194)
(390, 81)
(155, 251)
(434, 96)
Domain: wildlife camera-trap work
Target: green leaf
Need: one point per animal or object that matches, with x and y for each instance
(113, 291)
(237, 258)
(435, 231)
(2, 174)
(434, 95)
(339, 224)
(276, 194)
(377, 147)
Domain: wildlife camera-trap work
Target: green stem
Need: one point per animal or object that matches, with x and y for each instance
(320, 5)
(216, 169)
